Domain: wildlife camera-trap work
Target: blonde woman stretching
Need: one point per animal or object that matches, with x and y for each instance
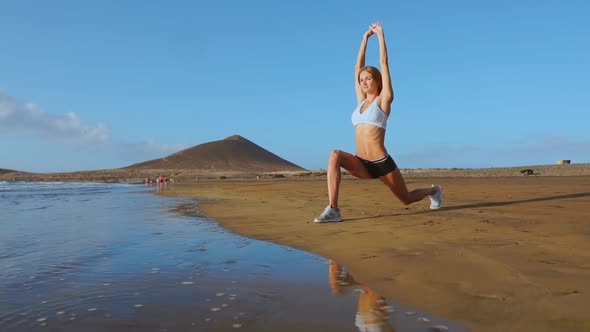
(374, 94)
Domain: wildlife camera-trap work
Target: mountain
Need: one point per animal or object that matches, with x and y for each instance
(4, 171)
(234, 153)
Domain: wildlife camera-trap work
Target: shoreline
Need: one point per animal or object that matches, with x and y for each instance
(505, 252)
(137, 176)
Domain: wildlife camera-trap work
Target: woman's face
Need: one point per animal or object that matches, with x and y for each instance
(368, 82)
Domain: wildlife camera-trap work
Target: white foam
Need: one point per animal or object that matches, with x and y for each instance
(23, 186)
(388, 308)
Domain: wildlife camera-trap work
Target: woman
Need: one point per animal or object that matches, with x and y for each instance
(374, 95)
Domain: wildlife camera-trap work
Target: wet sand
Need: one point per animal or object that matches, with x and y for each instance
(113, 257)
(504, 254)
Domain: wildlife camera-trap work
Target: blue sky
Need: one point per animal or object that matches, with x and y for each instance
(105, 84)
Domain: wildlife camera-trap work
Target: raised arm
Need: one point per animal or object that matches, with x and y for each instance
(360, 63)
(386, 96)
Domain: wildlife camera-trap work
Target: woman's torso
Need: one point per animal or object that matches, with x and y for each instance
(369, 137)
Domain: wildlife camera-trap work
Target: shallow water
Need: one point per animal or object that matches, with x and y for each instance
(98, 257)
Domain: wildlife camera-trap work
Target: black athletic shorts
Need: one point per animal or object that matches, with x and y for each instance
(379, 167)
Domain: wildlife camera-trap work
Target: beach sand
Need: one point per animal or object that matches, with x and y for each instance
(504, 254)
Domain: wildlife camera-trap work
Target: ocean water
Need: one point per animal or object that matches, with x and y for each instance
(112, 257)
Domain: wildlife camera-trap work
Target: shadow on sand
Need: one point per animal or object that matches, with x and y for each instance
(481, 205)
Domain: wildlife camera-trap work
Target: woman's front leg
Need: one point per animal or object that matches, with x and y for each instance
(352, 164)
(334, 177)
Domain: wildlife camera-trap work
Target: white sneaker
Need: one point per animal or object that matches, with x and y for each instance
(330, 214)
(436, 200)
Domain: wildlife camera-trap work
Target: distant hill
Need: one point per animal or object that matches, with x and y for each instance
(234, 153)
(4, 171)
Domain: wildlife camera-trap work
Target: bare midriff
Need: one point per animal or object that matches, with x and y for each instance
(370, 141)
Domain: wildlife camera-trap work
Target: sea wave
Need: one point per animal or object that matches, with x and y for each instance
(28, 186)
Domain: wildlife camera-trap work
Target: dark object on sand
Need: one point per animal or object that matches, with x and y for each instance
(527, 171)
(564, 162)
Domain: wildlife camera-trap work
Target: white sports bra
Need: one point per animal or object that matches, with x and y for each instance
(373, 115)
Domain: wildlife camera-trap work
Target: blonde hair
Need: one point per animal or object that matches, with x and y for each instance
(375, 73)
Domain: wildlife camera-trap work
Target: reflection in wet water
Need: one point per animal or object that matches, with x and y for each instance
(372, 309)
(374, 314)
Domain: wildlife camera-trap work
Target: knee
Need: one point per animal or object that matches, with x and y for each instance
(404, 199)
(335, 156)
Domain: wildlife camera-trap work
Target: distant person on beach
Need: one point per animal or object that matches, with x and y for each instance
(374, 95)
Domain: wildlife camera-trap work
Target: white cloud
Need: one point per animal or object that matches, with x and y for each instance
(163, 148)
(442, 156)
(527, 150)
(540, 144)
(29, 119)
(148, 150)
